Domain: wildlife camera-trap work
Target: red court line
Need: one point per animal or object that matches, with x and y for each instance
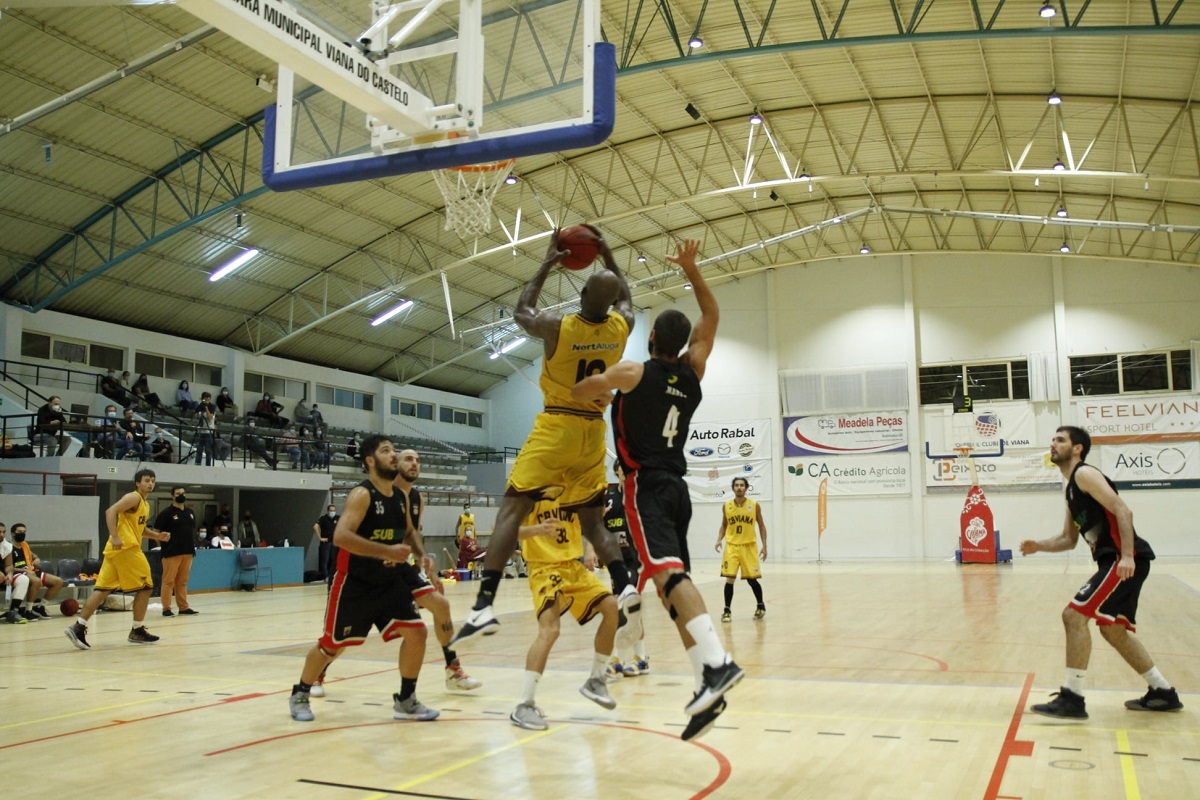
(1011, 746)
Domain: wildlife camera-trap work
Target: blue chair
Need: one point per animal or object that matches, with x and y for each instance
(250, 572)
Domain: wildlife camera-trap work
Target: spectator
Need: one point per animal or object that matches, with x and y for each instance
(177, 552)
(306, 447)
(268, 409)
(253, 443)
(318, 421)
(225, 402)
(25, 561)
(125, 381)
(49, 426)
(248, 531)
(201, 541)
(161, 449)
(142, 390)
(183, 397)
(303, 414)
(320, 455)
(323, 528)
(106, 438)
(206, 429)
(221, 540)
(291, 446)
(19, 583)
(110, 387)
(131, 436)
(225, 517)
(352, 448)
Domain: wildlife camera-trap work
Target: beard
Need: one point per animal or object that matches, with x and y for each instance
(387, 472)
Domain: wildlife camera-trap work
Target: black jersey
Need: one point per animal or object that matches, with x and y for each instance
(383, 522)
(614, 515)
(1097, 525)
(410, 509)
(651, 422)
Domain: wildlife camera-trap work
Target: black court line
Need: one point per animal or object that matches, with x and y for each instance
(181, 691)
(775, 730)
(1072, 749)
(829, 733)
(110, 690)
(1185, 758)
(148, 691)
(501, 713)
(372, 704)
(675, 724)
(1121, 753)
(74, 689)
(335, 701)
(882, 736)
(951, 741)
(629, 721)
(43, 688)
(379, 790)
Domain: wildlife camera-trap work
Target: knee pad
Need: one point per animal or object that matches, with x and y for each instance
(672, 582)
(674, 614)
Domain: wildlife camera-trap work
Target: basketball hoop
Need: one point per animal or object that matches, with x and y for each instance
(964, 452)
(468, 192)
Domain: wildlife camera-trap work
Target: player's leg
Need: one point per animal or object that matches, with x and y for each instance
(1121, 607)
(316, 661)
(443, 626)
(752, 572)
(596, 686)
(727, 614)
(513, 511)
(406, 623)
(170, 569)
(527, 715)
(141, 601)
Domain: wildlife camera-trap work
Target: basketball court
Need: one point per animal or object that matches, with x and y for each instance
(865, 680)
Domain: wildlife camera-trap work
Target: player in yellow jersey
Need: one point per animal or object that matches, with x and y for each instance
(563, 458)
(552, 546)
(125, 568)
(739, 519)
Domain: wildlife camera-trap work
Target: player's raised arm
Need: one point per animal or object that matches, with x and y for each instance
(542, 324)
(623, 305)
(705, 330)
(624, 377)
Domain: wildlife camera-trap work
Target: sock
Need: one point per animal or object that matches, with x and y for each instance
(488, 588)
(302, 687)
(600, 664)
(139, 625)
(1155, 679)
(701, 629)
(408, 687)
(619, 576)
(529, 686)
(756, 587)
(693, 654)
(450, 656)
(728, 595)
(1075, 678)
(639, 649)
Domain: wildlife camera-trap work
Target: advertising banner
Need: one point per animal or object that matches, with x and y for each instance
(1030, 468)
(846, 434)
(1166, 418)
(717, 452)
(712, 483)
(877, 473)
(1174, 465)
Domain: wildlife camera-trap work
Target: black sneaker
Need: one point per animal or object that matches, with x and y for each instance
(717, 681)
(480, 620)
(702, 723)
(77, 633)
(188, 612)
(168, 612)
(1156, 700)
(11, 616)
(29, 615)
(142, 636)
(40, 610)
(1065, 705)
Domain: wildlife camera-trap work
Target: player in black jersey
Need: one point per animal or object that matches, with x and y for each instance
(651, 414)
(633, 660)
(1097, 512)
(368, 589)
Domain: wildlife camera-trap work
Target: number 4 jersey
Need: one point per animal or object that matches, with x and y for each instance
(650, 423)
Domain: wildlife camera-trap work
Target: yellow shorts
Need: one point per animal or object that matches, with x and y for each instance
(743, 557)
(570, 585)
(563, 459)
(126, 570)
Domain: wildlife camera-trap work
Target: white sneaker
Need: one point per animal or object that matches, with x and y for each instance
(529, 717)
(318, 689)
(412, 709)
(596, 690)
(457, 678)
(629, 622)
(482, 620)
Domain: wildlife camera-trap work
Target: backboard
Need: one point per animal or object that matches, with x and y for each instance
(975, 433)
(423, 84)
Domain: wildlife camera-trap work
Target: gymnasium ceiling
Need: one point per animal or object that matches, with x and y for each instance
(923, 126)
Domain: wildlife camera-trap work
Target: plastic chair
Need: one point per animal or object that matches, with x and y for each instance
(69, 569)
(48, 565)
(248, 563)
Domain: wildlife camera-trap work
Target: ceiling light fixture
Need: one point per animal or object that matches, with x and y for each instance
(1065, 248)
(1047, 11)
(687, 286)
(641, 258)
(513, 345)
(385, 316)
(695, 42)
(1062, 211)
(232, 265)
(510, 179)
(774, 195)
(1054, 98)
(756, 118)
(1059, 166)
(692, 111)
(864, 249)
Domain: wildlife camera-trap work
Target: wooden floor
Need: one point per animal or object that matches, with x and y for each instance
(865, 680)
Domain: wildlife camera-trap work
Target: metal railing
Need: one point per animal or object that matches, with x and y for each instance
(42, 375)
(81, 483)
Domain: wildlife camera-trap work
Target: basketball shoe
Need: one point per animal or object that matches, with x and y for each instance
(457, 678)
(702, 723)
(77, 633)
(596, 690)
(299, 706)
(717, 681)
(726, 616)
(412, 709)
(760, 612)
(13, 617)
(614, 671)
(1156, 700)
(529, 717)
(1065, 705)
(318, 687)
(480, 620)
(40, 610)
(642, 664)
(141, 636)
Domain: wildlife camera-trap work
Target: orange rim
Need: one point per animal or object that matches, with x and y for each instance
(489, 166)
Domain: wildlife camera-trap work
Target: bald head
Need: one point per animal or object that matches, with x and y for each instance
(410, 466)
(598, 294)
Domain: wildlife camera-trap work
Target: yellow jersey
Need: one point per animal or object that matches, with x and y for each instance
(566, 546)
(130, 525)
(740, 522)
(466, 524)
(584, 348)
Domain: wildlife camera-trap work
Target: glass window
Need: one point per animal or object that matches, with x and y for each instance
(297, 389)
(475, 419)
(425, 411)
(206, 373)
(366, 402)
(145, 363)
(179, 370)
(987, 382)
(343, 397)
(324, 394)
(1181, 370)
(71, 352)
(35, 345)
(1145, 373)
(277, 387)
(1020, 380)
(1091, 375)
(460, 417)
(446, 415)
(252, 382)
(937, 384)
(396, 406)
(106, 357)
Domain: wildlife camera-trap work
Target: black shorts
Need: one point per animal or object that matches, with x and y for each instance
(632, 564)
(356, 605)
(418, 585)
(1110, 600)
(658, 510)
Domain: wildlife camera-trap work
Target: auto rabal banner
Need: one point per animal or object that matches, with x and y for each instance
(718, 452)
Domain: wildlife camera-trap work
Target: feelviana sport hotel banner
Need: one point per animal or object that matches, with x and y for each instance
(859, 454)
(718, 452)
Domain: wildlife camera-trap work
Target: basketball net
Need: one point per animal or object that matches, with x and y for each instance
(468, 192)
(964, 453)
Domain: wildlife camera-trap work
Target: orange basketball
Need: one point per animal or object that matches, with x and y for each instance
(69, 607)
(581, 241)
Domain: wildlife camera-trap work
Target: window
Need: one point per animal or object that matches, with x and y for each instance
(35, 345)
(346, 398)
(457, 416)
(1131, 373)
(148, 364)
(998, 380)
(177, 369)
(106, 357)
(40, 345)
(411, 408)
(278, 386)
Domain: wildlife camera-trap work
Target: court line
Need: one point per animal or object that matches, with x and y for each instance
(1128, 774)
(1011, 747)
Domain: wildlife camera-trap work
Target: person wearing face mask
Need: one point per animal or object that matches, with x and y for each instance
(254, 444)
(161, 449)
(18, 581)
(106, 438)
(221, 540)
(202, 540)
(225, 402)
(268, 409)
(177, 552)
(248, 531)
(183, 397)
(49, 425)
(110, 387)
(131, 436)
(206, 429)
(465, 526)
(25, 562)
(326, 552)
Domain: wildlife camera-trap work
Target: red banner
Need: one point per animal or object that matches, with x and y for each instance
(977, 532)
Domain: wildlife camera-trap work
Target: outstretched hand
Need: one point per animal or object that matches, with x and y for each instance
(685, 254)
(553, 254)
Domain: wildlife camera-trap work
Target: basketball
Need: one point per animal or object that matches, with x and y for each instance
(581, 241)
(69, 607)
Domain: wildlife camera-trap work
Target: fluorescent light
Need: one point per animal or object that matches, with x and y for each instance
(493, 356)
(864, 250)
(513, 345)
(1059, 166)
(232, 265)
(385, 316)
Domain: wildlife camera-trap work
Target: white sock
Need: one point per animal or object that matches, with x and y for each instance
(600, 664)
(693, 654)
(705, 636)
(529, 686)
(639, 649)
(1155, 680)
(1075, 679)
